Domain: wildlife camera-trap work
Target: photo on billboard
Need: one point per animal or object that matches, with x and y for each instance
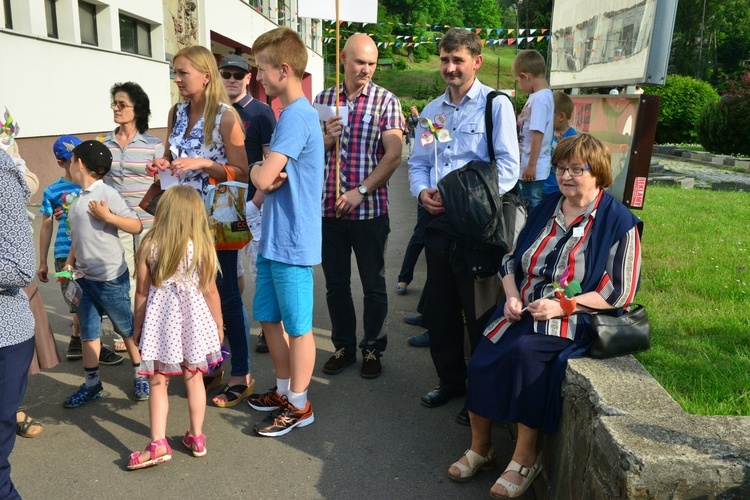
(597, 43)
(626, 125)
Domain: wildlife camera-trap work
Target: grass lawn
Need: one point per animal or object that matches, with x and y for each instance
(696, 286)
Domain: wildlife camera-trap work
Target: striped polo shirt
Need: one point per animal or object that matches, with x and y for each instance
(128, 174)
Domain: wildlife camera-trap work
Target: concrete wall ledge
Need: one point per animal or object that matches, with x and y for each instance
(623, 437)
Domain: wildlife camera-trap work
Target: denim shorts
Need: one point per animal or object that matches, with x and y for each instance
(105, 297)
(284, 292)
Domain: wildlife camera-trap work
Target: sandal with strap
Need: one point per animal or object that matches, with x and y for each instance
(26, 426)
(234, 394)
(476, 463)
(135, 462)
(198, 441)
(516, 490)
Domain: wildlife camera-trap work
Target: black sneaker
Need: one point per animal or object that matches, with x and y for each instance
(370, 365)
(262, 345)
(285, 419)
(109, 358)
(75, 350)
(340, 360)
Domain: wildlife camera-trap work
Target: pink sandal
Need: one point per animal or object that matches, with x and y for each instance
(198, 441)
(135, 462)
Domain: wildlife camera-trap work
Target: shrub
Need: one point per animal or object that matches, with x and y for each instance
(724, 127)
(682, 100)
(399, 63)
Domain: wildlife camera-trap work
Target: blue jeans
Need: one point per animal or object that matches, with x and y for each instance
(368, 240)
(14, 369)
(531, 192)
(236, 323)
(105, 297)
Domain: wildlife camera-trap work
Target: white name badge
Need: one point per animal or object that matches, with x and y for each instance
(577, 232)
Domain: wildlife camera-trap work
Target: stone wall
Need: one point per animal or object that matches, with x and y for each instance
(623, 437)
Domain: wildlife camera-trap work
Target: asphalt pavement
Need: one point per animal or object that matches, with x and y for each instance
(370, 439)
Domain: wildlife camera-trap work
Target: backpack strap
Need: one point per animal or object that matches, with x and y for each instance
(489, 124)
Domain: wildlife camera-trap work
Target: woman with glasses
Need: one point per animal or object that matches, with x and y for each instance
(132, 149)
(206, 136)
(580, 234)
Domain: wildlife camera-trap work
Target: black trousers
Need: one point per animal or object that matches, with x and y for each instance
(452, 294)
(368, 239)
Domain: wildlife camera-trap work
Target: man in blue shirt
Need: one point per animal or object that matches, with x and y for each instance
(451, 288)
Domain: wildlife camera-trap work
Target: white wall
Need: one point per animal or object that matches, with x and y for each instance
(56, 87)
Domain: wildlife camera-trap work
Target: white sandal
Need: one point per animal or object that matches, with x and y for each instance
(528, 473)
(476, 463)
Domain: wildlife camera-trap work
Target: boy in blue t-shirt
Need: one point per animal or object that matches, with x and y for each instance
(561, 121)
(60, 194)
(291, 176)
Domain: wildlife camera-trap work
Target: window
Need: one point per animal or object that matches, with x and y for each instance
(284, 13)
(135, 36)
(87, 16)
(50, 9)
(8, 15)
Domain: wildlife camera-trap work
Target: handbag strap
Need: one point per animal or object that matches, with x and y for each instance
(227, 170)
(612, 309)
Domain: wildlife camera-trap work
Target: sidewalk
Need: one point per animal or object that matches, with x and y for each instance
(371, 438)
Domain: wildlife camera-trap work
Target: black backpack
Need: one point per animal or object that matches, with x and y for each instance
(473, 204)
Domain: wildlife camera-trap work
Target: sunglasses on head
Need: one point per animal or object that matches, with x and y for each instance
(226, 75)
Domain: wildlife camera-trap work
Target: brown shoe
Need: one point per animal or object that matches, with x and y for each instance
(340, 360)
(370, 365)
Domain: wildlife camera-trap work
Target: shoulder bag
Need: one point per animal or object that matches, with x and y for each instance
(618, 333)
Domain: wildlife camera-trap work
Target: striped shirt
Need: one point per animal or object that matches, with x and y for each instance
(559, 247)
(60, 193)
(370, 113)
(128, 174)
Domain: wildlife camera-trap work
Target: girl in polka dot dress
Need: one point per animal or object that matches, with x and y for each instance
(178, 322)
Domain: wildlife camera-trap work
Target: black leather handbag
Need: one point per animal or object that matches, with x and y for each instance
(618, 333)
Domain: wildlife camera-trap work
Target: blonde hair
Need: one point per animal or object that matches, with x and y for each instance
(180, 218)
(283, 45)
(591, 151)
(529, 61)
(203, 60)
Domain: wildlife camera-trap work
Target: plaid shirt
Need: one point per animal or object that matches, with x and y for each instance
(371, 112)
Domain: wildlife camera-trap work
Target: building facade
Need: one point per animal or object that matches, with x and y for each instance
(62, 56)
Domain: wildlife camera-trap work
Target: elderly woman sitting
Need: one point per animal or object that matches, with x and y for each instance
(515, 373)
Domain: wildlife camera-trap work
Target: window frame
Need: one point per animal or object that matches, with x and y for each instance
(136, 23)
(51, 16)
(8, 11)
(92, 11)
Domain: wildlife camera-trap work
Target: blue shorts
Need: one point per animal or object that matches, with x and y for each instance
(284, 292)
(105, 297)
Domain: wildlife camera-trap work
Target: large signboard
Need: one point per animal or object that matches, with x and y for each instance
(596, 43)
(613, 119)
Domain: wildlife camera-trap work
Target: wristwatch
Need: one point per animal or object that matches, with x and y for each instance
(362, 190)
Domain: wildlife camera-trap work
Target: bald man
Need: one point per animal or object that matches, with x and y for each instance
(356, 218)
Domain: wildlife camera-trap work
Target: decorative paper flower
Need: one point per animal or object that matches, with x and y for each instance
(434, 130)
(9, 129)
